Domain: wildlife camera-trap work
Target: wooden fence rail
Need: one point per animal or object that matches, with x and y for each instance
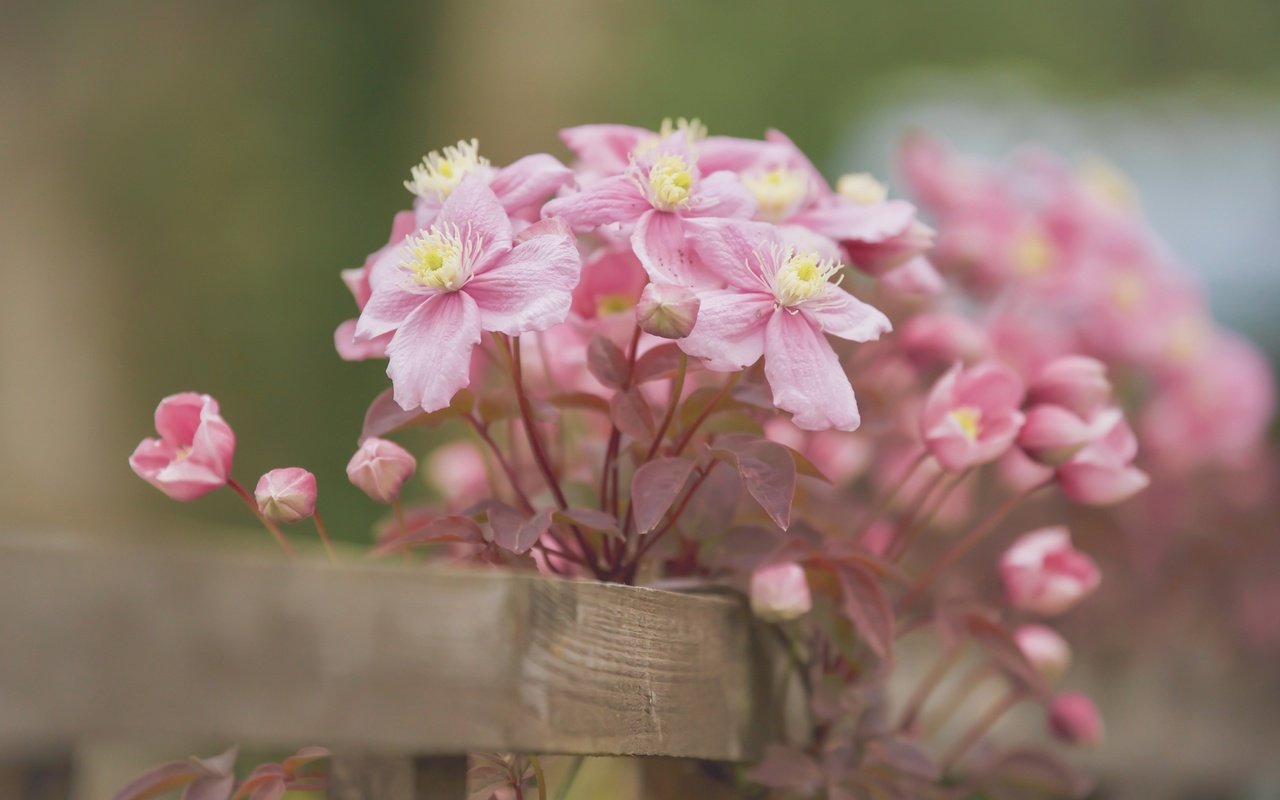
(399, 670)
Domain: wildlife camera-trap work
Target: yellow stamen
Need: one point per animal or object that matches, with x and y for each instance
(1032, 254)
(1128, 291)
(438, 175)
(778, 191)
(670, 182)
(862, 188)
(693, 129)
(1189, 338)
(803, 276)
(614, 304)
(968, 419)
(435, 259)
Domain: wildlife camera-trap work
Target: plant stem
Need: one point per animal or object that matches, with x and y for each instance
(323, 533)
(980, 728)
(687, 436)
(483, 432)
(946, 660)
(538, 777)
(570, 776)
(270, 526)
(875, 511)
(908, 535)
(971, 680)
(401, 528)
(677, 388)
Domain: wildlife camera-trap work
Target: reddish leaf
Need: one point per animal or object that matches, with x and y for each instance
(303, 757)
(632, 414)
(654, 487)
(502, 520)
(212, 778)
(581, 400)
(446, 529)
(385, 415)
(527, 534)
(714, 505)
(868, 608)
(1004, 651)
(591, 519)
(904, 756)
(606, 362)
(768, 472)
(658, 363)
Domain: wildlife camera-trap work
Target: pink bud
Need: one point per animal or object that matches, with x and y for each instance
(1047, 651)
(1077, 383)
(193, 455)
(380, 468)
(1102, 472)
(1074, 719)
(1042, 572)
(780, 592)
(286, 495)
(1052, 434)
(667, 310)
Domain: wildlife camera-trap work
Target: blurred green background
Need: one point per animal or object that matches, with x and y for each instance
(182, 182)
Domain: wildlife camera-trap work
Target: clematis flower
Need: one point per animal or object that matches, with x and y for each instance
(1075, 382)
(1053, 435)
(780, 592)
(458, 470)
(779, 302)
(1102, 473)
(1045, 648)
(1074, 719)
(661, 187)
(380, 468)
(1042, 572)
(971, 415)
(443, 286)
(286, 495)
(941, 337)
(193, 455)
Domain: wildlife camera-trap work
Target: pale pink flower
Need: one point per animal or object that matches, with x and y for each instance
(779, 303)
(1052, 434)
(443, 286)
(193, 455)
(611, 283)
(286, 495)
(941, 337)
(458, 470)
(971, 415)
(780, 592)
(1074, 719)
(1044, 574)
(1102, 472)
(1075, 382)
(380, 468)
(1045, 648)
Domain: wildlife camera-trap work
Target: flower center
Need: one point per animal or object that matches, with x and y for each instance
(1128, 291)
(614, 304)
(862, 189)
(1032, 254)
(670, 181)
(438, 175)
(777, 191)
(803, 276)
(968, 419)
(435, 259)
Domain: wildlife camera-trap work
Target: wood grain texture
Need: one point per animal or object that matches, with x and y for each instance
(105, 640)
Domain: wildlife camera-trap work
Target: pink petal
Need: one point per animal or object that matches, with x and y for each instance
(843, 220)
(721, 194)
(734, 250)
(431, 353)
(659, 242)
(531, 287)
(529, 181)
(841, 314)
(178, 416)
(389, 307)
(615, 199)
(729, 333)
(806, 375)
(474, 209)
(916, 276)
(605, 148)
(344, 341)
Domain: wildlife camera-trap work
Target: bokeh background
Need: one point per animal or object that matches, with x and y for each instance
(180, 183)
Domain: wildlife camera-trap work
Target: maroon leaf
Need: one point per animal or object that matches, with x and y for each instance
(581, 400)
(446, 529)
(632, 414)
(904, 756)
(868, 608)
(768, 472)
(654, 487)
(711, 510)
(660, 362)
(591, 519)
(502, 520)
(210, 778)
(1004, 651)
(524, 537)
(385, 415)
(606, 362)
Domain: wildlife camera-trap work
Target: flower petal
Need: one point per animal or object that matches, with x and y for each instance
(530, 288)
(729, 333)
(841, 314)
(615, 199)
(604, 148)
(659, 242)
(431, 353)
(843, 220)
(721, 194)
(529, 181)
(475, 210)
(389, 306)
(806, 375)
(736, 251)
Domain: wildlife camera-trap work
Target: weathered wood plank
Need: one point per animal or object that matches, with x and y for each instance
(107, 640)
(398, 778)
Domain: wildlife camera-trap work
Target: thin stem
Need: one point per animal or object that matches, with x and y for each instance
(538, 777)
(323, 533)
(971, 680)
(401, 528)
(964, 546)
(908, 535)
(980, 728)
(687, 436)
(483, 432)
(672, 517)
(874, 512)
(575, 766)
(270, 526)
(677, 389)
(946, 660)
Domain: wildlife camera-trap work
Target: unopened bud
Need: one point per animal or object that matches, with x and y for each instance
(286, 495)
(667, 310)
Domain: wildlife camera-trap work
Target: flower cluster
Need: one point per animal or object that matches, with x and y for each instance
(645, 363)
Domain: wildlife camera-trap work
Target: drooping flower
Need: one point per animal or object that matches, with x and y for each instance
(380, 468)
(780, 303)
(193, 455)
(1044, 574)
(1074, 719)
(1102, 472)
(286, 495)
(780, 592)
(1045, 648)
(465, 274)
(971, 415)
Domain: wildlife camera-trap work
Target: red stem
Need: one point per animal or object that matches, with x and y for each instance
(323, 533)
(270, 526)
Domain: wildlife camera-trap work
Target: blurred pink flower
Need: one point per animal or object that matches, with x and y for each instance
(1045, 648)
(457, 469)
(971, 415)
(779, 303)
(442, 287)
(1042, 572)
(193, 455)
(1075, 382)
(941, 337)
(1102, 472)
(1074, 719)
(286, 495)
(380, 467)
(780, 592)
(1052, 434)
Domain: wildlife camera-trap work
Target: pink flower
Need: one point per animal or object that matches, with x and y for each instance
(971, 415)
(443, 286)
(458, 470)
(1074, 719)
(286, 495)
(1075, 382)
(380, 468)
(1052, 434)
(1047, 651)
(941, 337)
(193, 455)
(1102, 473)
(780, 592)
(779, 302)
(1042, 572)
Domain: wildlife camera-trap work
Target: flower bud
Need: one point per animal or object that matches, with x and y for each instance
(1052, 435)
(1074, 719)
(380, 468)
(1102, 472)
(1042, 572)
(780, 592)
(286, 495)
(1047, 651)
(667, 310)
(1077, 383)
